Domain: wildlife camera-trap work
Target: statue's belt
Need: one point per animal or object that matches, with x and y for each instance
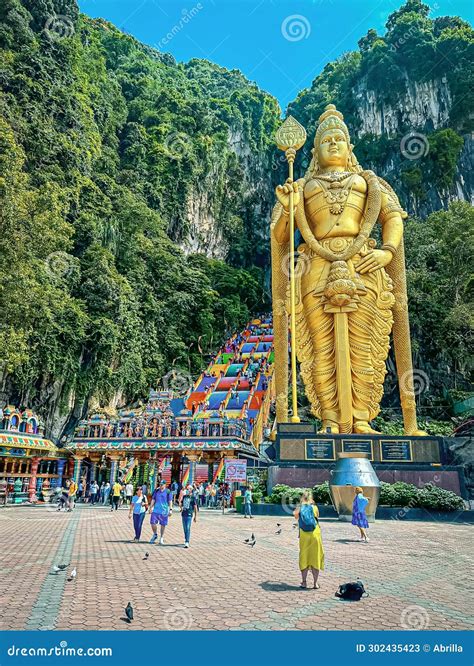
(336, 244)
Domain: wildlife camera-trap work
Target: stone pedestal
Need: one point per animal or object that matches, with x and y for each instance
(305, 458)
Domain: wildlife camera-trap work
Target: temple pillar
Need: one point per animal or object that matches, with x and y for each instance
(32, 485)
(193, 459)
(77, 469)
(175, 467)
(70, 467)
(152, 474)
(114, 465)
(95, 459)
(61, 466)
(211, 459)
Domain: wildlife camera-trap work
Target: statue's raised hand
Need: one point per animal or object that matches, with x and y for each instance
(283, 194)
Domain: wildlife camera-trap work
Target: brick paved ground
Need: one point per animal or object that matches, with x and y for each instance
(418, 574)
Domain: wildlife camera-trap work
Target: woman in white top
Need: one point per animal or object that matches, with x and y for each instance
(138, 508)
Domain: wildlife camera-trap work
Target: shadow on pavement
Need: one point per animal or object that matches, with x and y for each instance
(270, 586)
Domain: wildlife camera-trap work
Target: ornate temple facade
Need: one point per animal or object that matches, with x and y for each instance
(222, 415)
(30, 464)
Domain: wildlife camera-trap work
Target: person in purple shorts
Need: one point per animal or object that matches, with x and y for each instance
(161, 508)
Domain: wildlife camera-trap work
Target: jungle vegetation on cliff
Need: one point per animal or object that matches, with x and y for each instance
(101, 141)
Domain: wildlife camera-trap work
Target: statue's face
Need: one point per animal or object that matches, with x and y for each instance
(333, 149)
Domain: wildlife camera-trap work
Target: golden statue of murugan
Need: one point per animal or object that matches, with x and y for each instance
(347, 293)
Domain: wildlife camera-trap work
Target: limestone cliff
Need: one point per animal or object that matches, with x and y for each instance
(407, 99)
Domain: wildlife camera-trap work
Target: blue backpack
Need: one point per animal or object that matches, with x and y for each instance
(307, 519)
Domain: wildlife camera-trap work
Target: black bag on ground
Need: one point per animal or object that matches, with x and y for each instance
(352, 591)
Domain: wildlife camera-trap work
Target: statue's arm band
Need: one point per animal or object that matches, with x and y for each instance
(390, 248)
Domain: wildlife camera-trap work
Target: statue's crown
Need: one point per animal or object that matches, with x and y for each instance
(330, 110)
(331, 118)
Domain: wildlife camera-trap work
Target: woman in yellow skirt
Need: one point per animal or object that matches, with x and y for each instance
(311, 545)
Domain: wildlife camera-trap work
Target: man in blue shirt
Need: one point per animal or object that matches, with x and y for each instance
(161, 507)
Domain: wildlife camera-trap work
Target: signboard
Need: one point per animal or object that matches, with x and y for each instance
(320, 449)
(358, 446)
(235, 470)
(395, 450)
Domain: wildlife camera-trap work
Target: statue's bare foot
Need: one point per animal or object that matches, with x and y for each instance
(363, 428)
(329, 427)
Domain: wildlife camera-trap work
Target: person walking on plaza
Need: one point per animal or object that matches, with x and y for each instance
(359, 517)
(63, 499)
(94, 492)
(71, 494)
(202, 494)
(161, 507)
(189, 508)
(107, 490)
(129, 492)
(248, 502)
(174, 491)
(196, 493)
(311, 545)
(213, 500)
(101, 493)
(116, 490)
(138, 508)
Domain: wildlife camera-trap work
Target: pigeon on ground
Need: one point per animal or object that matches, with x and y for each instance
(129, 612)
(61, 567)
(73, 575)
(147, 555)
(295, 525)
(252, 543)
(278, 524)
(56, 569)
(278, 531)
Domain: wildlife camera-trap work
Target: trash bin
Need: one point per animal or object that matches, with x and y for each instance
(239, 501)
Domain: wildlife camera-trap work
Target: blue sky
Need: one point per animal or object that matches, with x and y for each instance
(280, 44)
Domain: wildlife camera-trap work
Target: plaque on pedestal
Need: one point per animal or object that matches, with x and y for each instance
(396, 450)
(320, 449)
(358, 446)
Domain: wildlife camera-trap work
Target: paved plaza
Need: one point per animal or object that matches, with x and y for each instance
(418, 574)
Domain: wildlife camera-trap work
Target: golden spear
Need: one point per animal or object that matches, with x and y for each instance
(290, 137)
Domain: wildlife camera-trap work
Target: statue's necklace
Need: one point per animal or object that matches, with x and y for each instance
(334, 191)
(334, 176)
